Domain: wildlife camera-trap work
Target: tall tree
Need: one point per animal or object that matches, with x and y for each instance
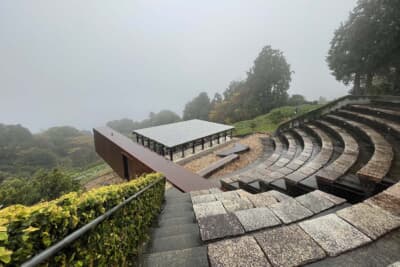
(268, 80)
(216, 100)
(198, 108)
(366, 47)
(264, 89)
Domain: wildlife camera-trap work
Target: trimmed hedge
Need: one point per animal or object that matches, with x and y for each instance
(26, 231)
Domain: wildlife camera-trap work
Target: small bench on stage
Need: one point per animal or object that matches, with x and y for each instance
(236, 149)
(217, 165)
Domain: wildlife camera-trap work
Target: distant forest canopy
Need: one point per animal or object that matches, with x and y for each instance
(23, 153)
(365, 49)
(126, 126)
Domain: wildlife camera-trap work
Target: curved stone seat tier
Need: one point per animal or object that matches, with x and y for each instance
(345, 161)
(319, 161)
(285, 157)
(290, 152)
(277, 152)
(394, 126)
(377, 110)
(305, 154)
(295, 163)
(280, 158)
(380, 162)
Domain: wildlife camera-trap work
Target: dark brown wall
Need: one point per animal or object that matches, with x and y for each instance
(112, 154)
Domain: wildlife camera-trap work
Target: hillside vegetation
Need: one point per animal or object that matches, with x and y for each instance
(270, 121)
(23, 153)
(126, 126)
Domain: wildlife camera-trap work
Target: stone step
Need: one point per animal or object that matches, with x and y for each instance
(382, 252)
(332, 210)
(175, 220)
(173, 192)
(177, 204)
(177, 258)
(176, 213)
(175, 229)
(174, 242)
(187, 206)
(253, 187)
(174, 200)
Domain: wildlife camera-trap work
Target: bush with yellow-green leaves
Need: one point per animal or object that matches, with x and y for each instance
(26, 231)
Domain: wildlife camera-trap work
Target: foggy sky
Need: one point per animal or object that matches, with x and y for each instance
(83, 63)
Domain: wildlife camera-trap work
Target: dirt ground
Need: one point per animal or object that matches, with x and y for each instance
(106, 179)
(256, 150)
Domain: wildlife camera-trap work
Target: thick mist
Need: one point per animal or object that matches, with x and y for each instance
(83, 63)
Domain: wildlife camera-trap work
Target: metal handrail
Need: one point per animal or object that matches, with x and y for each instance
(50, 251)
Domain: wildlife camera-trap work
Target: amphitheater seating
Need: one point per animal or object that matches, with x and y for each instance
(345, 161)
(328, 194)
(385, 123)
(277, 152)
(348, 151)
(394, 114)
(305, 153)
(316, 163)
(379, 164)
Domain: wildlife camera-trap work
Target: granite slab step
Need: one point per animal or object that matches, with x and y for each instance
(189, 257)
(332, 210)
(208, 209)
(257, 218)
(174, 242)
(290, 211)
(334, 234)
(219, 226)
(242, 251)
(371, 220)
(289, 246)
(381, 252)
(315, 202)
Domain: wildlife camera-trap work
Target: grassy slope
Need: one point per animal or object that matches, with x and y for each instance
(91, 173)
(270, 121)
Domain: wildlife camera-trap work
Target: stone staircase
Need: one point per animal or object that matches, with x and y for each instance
(174, 237)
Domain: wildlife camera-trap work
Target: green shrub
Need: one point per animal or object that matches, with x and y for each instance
(25, 231)
(43, 185)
